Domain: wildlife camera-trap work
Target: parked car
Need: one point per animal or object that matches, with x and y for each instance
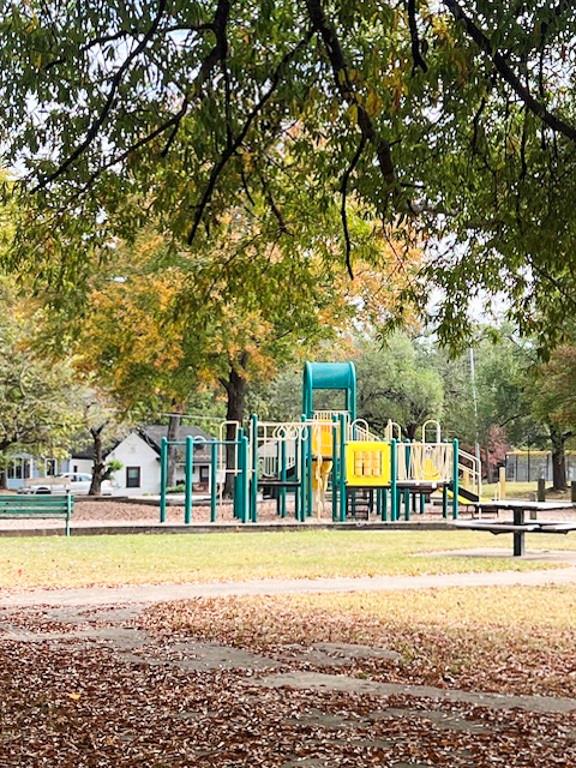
(77, 483)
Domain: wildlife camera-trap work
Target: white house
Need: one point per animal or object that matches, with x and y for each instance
(139, 454)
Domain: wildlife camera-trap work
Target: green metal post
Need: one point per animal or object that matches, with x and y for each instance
(393, 481)
(444, 501)
(384, 504)
(455, 482)
(254, 462)
(163, 477)
(309, 491)
(297, 478)
(422, 503)
(283, 478)
(245, 483)
(188, 471)
(303, 479)
(68, 512)
(342, 480)
(406, 504)
(213, 479)
(241, 477)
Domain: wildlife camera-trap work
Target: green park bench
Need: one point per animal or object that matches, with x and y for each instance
(43, 506)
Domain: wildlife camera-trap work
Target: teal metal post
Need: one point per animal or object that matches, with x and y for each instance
(309, 491)
(244, 483)
(69, 506)
(254, 462)
(393, 481)
(303, 478)
(163, 477)
(213, 479)
(297, 478)
(188, 471)
(384, 504)
(342, 480)
(422, 503)
(406, 504)
(455, 481)
(283, 478)
(444, 501)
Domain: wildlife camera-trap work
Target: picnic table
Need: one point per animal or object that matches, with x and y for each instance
(519, 526)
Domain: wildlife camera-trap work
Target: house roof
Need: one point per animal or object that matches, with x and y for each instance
(152, 434)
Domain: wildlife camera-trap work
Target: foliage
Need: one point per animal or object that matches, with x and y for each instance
(461, 118)
(39, 402)
(398, 382)
(161, 327)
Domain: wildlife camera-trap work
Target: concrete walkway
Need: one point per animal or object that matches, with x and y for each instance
(154, 593)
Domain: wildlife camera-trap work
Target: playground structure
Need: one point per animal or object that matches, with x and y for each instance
(329, 463)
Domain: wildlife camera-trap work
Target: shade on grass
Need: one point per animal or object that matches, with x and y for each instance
(140, 559)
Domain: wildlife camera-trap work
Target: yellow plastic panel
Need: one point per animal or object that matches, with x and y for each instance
(367, 463)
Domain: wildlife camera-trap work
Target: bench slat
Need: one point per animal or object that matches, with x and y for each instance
(43, 506)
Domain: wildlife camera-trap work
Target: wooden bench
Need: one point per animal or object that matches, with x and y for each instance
(41, 505)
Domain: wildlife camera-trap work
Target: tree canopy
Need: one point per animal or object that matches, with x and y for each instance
(458, 116)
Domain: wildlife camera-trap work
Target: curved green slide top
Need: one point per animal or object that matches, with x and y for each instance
(340, 376)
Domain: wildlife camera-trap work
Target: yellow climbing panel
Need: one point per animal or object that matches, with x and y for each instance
(367, 463)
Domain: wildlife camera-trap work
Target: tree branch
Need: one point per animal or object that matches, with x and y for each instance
(343, 84)
(344, 192)
(234, 146)
(417, 57)
(508, 75)
(101, 119)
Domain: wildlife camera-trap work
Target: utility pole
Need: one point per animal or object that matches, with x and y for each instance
(474, 402)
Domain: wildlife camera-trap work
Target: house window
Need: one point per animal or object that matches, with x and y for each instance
(204, 473)
(132, 477)
(50, 467)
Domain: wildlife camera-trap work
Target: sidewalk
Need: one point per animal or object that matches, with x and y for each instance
(154, 593)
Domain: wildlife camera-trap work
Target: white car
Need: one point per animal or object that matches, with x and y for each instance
(76, 483)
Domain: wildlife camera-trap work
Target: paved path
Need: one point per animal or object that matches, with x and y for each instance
(153, 593)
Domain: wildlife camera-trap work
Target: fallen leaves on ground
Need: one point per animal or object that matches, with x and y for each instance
(524, 659)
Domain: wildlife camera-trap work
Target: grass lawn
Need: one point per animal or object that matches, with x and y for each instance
(140, 559)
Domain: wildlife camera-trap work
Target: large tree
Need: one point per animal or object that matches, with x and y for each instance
(160, 326)
(460, 116)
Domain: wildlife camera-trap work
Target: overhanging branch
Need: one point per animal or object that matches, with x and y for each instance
(508, 75)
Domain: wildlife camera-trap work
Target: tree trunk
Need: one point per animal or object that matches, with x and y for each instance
(174, 422)
(558, 440)
(411, 431)
(3, 479)
(99, 466)
(235, 405)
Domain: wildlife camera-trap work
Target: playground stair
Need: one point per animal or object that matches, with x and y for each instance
(359, 503)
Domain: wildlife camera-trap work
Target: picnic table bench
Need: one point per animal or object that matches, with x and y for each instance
(519, 526)
(43, 506)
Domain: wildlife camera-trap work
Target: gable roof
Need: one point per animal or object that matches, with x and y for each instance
(152, 435)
